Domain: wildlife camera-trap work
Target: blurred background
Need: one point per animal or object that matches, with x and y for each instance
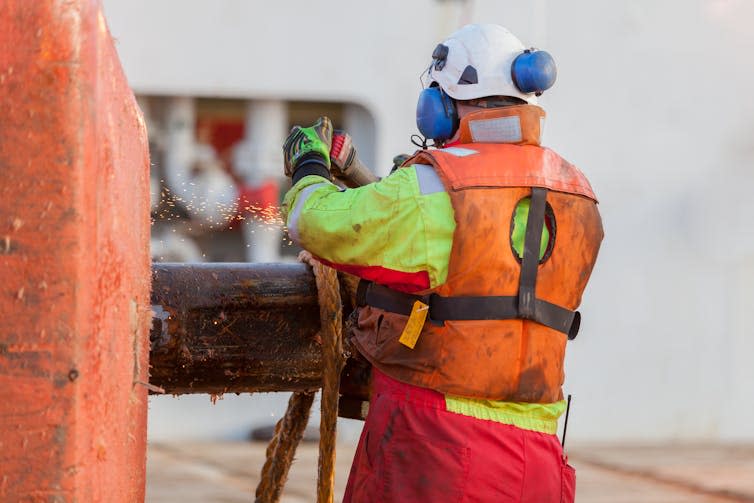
(652, 103)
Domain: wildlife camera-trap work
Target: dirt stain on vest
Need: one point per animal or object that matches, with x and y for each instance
(532, 384)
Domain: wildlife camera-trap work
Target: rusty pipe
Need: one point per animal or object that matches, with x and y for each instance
(234, 328)
(237, 327)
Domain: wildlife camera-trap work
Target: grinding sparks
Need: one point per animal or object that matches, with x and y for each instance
(173, 207)
(191, 226)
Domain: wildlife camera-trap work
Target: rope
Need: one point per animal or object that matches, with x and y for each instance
(290, 428)
(282, 447)
(330, 314)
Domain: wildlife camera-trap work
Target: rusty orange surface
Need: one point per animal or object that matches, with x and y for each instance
(74, 262)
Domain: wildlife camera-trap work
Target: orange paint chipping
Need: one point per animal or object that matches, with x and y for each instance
(74, 262)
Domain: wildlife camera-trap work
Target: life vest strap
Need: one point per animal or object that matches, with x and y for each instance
(527, 283)
(442, 309)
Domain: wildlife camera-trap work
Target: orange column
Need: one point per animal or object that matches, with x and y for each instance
(74, 260)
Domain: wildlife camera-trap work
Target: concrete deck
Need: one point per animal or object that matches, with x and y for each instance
(229, 472)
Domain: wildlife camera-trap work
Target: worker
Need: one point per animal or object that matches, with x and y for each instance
(473, 257)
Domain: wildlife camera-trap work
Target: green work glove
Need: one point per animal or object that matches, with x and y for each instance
(309, 146)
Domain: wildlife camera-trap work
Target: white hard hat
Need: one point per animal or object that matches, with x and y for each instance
(476, 61)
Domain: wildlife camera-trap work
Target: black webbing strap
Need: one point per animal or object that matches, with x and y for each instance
(472, 308)
(382, 297)
(527, 283)
(443, 309)
(558, 318)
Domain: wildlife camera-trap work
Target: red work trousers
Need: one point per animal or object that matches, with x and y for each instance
(413, 450)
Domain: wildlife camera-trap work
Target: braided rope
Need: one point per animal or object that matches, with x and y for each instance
(282, 447)
(330, 313)
(290, 428)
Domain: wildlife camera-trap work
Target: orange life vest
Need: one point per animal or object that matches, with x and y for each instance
(510, 344)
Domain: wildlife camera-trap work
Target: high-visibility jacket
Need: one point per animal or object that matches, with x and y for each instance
(487, 337)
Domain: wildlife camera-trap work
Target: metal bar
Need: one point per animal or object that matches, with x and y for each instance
(221, 328)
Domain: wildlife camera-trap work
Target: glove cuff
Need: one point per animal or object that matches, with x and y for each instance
(311, 164)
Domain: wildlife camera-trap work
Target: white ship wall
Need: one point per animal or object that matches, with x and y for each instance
(652, 101)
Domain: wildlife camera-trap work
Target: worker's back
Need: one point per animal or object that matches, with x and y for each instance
(477, 343)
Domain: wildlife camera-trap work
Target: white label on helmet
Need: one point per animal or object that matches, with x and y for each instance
(460, 152)
(502, 130)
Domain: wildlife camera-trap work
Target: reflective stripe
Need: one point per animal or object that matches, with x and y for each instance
(541, 417)
(459, 152)
(541, 129)
(502, 130)
(429, 182)
(296, 213)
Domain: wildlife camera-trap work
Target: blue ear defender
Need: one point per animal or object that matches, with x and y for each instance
(436, 115)
(534, 71)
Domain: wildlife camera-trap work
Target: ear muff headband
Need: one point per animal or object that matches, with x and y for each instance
(436, 115)
(534, 71)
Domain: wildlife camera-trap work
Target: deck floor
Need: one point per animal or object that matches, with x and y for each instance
(227, 472)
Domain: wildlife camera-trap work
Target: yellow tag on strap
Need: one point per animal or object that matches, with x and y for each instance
(415, 324)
